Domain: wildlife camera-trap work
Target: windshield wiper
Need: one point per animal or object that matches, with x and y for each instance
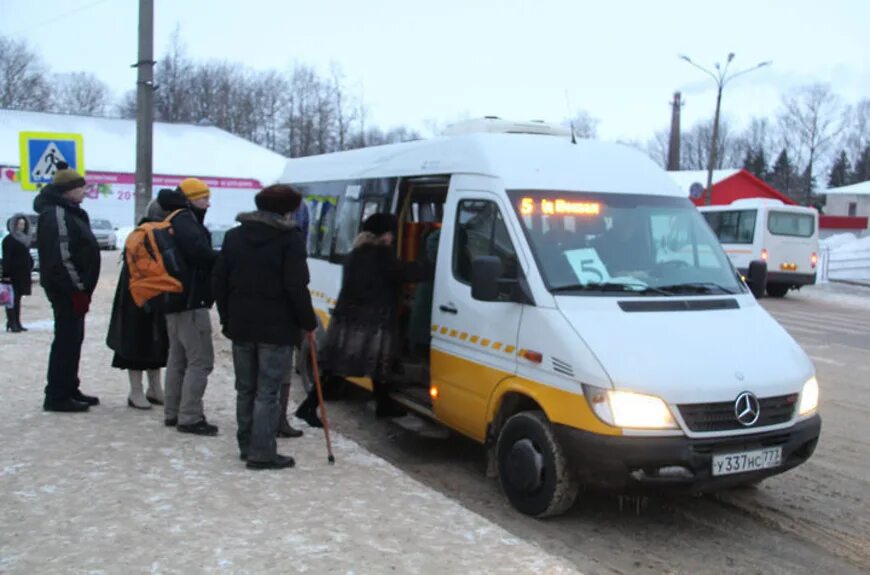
(697, 287)
(639, 289)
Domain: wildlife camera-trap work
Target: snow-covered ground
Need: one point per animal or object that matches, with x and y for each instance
(114, 491)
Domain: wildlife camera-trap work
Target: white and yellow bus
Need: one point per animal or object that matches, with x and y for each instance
(586, 325)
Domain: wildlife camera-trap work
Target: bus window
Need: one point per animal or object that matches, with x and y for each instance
(481, 231)
(733, 227)
(791, 224)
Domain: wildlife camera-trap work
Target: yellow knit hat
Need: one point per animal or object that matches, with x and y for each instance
(194, 189)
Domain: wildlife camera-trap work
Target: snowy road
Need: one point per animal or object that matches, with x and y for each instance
(814, 519)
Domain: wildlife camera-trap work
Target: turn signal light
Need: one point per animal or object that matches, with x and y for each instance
(533, 356)
(814, 260)
(764, 254)
(433, 392)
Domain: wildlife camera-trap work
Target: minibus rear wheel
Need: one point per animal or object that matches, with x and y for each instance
(532, 467)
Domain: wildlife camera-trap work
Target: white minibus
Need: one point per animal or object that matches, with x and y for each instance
(584, 324)
(785, 237)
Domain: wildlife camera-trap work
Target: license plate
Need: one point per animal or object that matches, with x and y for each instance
(745, 461)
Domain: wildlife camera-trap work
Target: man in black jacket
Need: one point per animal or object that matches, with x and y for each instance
(69, 259)
(191, 355)
(261, 289)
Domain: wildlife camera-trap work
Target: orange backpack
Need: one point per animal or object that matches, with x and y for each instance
(153, 261)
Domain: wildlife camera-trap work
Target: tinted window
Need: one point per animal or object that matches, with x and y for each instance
(481, 231)
(101, 224)
(733, 226)
(791, 224)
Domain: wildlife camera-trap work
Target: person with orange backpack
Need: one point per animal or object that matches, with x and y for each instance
(188, 324)
(137, 333)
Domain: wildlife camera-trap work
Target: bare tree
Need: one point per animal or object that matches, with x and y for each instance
(811, 119)
(583, 124)
(657, 148)
(23, 84)
(172, 77)
(79, 93)
(695, 147)
(857, 134)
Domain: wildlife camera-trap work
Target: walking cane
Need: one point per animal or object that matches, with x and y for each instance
(313, 349)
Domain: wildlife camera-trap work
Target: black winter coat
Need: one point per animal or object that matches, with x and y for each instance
(261, 281)
(136, 335)
(194, 242)
(363, 331)
(17, 265)
(69, 256)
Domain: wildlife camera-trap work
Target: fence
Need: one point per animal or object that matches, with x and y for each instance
(846, 266)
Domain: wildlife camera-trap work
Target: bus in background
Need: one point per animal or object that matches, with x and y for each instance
(785, 237)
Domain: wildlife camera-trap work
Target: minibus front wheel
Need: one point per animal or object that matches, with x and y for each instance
(532, 467)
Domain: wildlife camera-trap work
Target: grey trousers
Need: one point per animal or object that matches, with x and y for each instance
(191, 360)
(260, 370)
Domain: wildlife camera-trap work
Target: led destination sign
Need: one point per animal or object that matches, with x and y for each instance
(559, 207)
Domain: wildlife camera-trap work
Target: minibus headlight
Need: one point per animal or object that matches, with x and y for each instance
(809, 397)
(629, 409)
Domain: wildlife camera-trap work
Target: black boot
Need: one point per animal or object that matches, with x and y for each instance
(18, 323)
(307, 410)
(11, 324)
(384, 406)
(88, 399)
(284, 427)
(64, 405)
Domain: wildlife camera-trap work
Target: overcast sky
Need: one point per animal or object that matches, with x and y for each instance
(413, 60)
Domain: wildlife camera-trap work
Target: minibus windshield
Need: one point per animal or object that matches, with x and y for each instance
(613, 244)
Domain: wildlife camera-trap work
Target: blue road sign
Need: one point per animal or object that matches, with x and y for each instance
(42, 151)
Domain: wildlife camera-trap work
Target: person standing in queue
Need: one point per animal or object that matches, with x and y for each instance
(188, 325)
(138, 336)
(261, 289)
(69, 262)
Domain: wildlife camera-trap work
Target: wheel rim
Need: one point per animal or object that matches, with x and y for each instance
(525, 466)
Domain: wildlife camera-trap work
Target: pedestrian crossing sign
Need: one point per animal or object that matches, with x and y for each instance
(41, 152)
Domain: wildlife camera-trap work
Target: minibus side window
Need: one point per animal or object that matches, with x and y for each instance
(481, 231)
(325, 226)
(733, 227)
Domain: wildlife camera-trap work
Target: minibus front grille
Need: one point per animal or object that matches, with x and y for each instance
(720, 416)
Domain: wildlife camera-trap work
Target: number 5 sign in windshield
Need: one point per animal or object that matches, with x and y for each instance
(587, 265)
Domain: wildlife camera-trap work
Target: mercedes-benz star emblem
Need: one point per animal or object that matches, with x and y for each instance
(747, 409)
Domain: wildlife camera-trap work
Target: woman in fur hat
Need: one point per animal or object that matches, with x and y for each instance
(17, 265)
(362, 337)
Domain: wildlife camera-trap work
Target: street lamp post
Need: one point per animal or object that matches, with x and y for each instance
(721, 77)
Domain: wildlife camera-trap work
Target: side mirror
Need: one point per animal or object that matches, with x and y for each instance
(485, 273)
(757, 279)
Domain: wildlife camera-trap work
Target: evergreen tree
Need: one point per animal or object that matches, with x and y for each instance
(784, 177)
(861, 173)
(841, 172)
(759, 164)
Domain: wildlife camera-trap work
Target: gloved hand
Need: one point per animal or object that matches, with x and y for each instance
(81, 302)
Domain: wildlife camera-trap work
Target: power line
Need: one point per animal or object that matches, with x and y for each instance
(57, 17)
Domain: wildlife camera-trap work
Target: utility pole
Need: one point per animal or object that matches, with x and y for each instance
(144, 108)
(674, 143)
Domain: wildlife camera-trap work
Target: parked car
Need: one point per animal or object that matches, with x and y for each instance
(104, 231)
